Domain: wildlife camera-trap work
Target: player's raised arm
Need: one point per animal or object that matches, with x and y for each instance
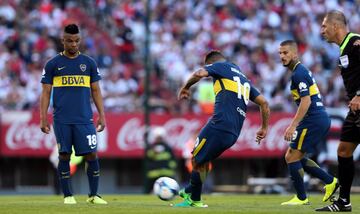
(194, 78)
(44, 105)
(265, 114)
(97, 97)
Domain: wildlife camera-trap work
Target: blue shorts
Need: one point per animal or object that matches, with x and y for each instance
(81, 136)
(310, 132)
(211, 143)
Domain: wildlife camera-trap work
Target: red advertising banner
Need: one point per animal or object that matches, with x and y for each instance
(123, 136)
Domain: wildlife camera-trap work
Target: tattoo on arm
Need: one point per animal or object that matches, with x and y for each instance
(193, 79)
(265, 114)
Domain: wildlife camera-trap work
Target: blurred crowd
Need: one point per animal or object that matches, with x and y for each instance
(248, 32)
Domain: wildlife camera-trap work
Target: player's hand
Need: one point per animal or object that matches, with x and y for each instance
(354, 104)
(44, 126)
(260, 134)
(100, 125)
(289, 133)
(184, 93)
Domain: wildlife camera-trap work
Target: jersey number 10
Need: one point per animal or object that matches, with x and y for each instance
(243, 90)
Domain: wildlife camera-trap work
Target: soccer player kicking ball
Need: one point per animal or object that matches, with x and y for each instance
(233, 92)
(308, 127)
(73, 76)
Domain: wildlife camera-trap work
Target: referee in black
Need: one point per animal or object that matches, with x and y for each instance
(334, 30)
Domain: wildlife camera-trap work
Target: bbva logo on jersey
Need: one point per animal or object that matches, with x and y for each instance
(69, 80)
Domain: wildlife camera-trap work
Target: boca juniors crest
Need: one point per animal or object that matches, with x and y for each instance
(82, 67)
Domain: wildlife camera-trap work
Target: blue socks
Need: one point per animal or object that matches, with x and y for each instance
(93, 173)
(297, 176)
(313, 169)
(64, 176)
(297, 169)
(188, 188)
(195, 185)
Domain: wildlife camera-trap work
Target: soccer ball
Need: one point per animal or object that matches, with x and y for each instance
(166, 188)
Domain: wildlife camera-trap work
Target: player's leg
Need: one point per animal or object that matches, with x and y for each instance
(93, 172)
(317, 132)
(64, 139)
(210, 144)
(204, 134)
(296, 171)
(346, 175)
(192, 194)
(313, 169)
(65, 178)
(198, 176)
(86, 145)
(186, 192)
(349, 139)
(346, 169)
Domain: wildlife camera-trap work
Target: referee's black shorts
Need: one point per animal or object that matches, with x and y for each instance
(350, 131)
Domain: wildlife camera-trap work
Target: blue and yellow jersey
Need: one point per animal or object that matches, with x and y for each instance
(71, 79)
(303, 84)
(233, 92)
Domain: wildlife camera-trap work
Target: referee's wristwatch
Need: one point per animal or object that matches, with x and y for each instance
(357, 93)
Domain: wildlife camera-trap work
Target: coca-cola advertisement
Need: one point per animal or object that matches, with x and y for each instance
(124, 135)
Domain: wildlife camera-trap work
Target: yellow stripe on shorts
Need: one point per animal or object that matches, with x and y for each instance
(201, 144)
(301, 140)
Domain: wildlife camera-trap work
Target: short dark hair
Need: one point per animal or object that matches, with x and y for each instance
(213, 56)
(71, 29)
(337, 15)
(291, 43)
(288, 42)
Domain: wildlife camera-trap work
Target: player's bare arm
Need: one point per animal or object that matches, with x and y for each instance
(265, 114)
(97, 97)
(194, 78)
(44, 105)
(300, 113)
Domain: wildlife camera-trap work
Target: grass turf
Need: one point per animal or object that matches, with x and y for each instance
(151, 204)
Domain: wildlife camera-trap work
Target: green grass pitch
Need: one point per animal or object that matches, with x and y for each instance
(239, 203)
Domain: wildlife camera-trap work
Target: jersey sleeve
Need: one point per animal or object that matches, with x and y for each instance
(302, 82)
(94, 72)
(48, 73)
(254, 92)
(356, 48)
(215, 70)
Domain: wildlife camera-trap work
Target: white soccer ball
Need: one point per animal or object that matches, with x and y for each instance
(166, 188)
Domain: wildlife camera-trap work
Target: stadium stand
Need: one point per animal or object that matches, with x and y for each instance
(247, 31)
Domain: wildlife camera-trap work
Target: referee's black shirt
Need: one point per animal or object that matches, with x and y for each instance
(349, 63)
